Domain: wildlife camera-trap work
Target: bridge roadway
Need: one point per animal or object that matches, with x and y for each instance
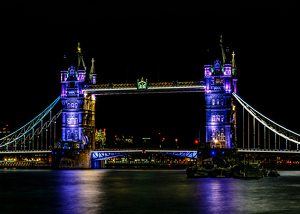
(138, 150)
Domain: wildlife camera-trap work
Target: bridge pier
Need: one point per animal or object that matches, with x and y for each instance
(71, 158)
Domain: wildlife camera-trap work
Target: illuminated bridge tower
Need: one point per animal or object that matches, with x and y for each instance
(220, 81)
(78, 109)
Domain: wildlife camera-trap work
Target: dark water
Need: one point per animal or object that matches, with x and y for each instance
(144, 191)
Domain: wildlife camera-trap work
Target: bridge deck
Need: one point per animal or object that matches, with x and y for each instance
(155, 150)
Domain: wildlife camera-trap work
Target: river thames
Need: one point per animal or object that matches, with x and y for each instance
(144, 191)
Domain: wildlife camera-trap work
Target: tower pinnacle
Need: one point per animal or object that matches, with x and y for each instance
(78, 48)
(80, 57)
(93, 74)
(233, 60)
(222, 50)
(92, 71)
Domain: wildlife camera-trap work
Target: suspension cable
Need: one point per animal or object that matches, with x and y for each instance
(271, 125)
(27, 127)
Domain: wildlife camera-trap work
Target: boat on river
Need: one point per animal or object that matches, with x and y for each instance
(273, 173)
(196, 172)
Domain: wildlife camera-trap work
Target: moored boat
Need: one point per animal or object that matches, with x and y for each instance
(273, 173)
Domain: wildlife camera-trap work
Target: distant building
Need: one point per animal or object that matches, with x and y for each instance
(5, 129)
(100, 138)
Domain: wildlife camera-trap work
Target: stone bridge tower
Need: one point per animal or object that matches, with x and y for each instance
(220, 81)
(78, 109)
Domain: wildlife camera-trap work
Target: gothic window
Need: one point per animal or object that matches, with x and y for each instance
(213, 118)
(222, 118)
(213, 101)
(68, 134)
(68, 121)
(72, 105)
(217, 101)
(76, 105)
(218, 118)
(75, 134)
(222, 102)
(68, 106)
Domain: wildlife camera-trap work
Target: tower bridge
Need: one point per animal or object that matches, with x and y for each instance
(79, 91)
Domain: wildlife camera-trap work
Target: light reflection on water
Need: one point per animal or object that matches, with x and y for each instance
(144, 191)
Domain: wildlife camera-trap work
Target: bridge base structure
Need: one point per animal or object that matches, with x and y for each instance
(205, 155)
(71, 158)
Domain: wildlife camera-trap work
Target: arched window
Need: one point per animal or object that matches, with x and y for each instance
(213, 101)
(222, 102)
(218, 102)
(72, 105)
(213, 118)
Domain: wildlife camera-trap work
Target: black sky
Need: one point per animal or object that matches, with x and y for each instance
(145, 37)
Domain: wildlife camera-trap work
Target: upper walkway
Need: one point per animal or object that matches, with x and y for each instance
(146, 88)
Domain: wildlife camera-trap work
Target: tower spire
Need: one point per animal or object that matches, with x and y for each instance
(222, 50)
(93, 74)
(80, 57)
(233, 60)
(92, 71)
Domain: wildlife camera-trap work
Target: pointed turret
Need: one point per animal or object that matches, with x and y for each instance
(222, 50)
(80, 59)
(93, 75)
(233, 65)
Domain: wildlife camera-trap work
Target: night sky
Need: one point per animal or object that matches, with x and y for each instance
(166, 40)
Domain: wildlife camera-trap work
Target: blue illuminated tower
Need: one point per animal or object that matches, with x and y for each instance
(78, 109)
(220, 81)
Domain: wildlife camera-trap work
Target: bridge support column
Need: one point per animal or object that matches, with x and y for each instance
(258, 139)
(71, 158)
(243, 128)
(269, 139)
(265, 138)
(248, 131)
(253, 132)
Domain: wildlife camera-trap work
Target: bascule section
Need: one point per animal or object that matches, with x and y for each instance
(78, 108)
(221, 81)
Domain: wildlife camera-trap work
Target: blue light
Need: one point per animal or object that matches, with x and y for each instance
(213, 153)
(62, 153)
(223, 152)
(55, 152)
(77, 153)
